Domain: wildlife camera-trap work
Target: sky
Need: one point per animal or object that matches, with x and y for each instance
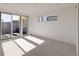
(7, 17)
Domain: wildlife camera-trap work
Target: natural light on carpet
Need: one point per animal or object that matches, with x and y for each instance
(20, 46)
(25, 45)
(11, 49)
(34, 39)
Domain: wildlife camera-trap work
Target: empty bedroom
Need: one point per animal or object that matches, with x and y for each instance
(38, 29)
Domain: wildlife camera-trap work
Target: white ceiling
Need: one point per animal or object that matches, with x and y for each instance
(29, 8)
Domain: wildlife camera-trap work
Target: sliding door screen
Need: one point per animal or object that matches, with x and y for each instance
(24, 26)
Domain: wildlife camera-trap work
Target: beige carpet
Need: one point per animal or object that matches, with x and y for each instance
(46, 47)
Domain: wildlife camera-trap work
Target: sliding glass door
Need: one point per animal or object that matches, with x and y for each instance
(5, 26)
(15, 26)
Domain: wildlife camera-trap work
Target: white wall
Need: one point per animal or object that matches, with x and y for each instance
(64, 29)
(78, 31)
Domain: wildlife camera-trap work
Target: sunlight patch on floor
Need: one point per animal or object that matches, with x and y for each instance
(25, 45)
(34, 39)
(11, 49)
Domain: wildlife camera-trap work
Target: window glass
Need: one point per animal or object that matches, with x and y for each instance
(15, 17)
(5, 17)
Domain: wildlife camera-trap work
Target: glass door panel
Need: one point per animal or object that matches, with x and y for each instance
(5, 25)
(15, 26)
